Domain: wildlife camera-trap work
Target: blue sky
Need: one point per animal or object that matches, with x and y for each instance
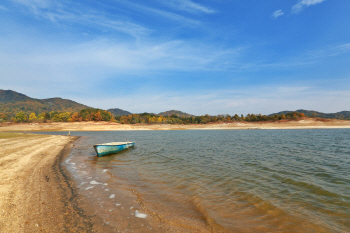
(201, 57)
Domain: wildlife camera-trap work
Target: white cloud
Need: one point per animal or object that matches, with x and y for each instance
(3, 8)
(153, 11)
(49, 62)
(189, 6)
(303, 4)
(59, 13)
(329, 52)
(277, 13)
(264, 100)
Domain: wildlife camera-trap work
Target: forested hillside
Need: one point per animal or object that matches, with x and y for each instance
(175, 112)
(338, 115)
(118, 112)
(12, 102)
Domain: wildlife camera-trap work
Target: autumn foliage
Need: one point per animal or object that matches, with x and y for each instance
(148, 118)
(92, 114)
(89, 114)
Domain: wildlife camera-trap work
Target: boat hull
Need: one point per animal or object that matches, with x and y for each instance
(108, 148)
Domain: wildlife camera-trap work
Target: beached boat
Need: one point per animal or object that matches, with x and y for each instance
(111, 147)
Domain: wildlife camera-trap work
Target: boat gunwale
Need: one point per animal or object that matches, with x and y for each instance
(114, 144)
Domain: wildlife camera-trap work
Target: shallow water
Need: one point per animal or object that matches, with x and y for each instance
(221, 180)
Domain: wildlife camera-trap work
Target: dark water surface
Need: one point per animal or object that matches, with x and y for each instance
(234, 180)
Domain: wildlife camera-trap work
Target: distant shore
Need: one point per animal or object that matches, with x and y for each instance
(308, 123)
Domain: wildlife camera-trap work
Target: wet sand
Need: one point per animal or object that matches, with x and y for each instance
(303, 123)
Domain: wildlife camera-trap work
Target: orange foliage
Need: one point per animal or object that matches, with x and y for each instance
(98, 116)
(75, 117)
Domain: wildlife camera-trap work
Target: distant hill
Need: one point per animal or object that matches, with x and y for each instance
(12, 102)
(7, 96)
(338, 115)
(177, 113)
(119, 112)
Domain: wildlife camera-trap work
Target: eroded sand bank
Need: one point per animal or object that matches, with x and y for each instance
(307, 123)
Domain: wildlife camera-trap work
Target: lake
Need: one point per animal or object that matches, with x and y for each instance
(219, 180)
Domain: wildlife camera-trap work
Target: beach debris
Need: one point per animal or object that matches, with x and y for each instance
(89, 187)
(117, 204)
(94, 182)
(131, 207)
(105, 170)
(140, 215)
(106, 190)
(112, 196)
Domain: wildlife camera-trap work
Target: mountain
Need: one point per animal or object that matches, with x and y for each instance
(177, 113)
(310, 113)
(8, 96)
(118, 112)
(12, 102)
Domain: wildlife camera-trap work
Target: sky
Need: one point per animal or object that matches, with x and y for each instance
(201, 57)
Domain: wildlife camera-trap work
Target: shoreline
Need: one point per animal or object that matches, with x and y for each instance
(110, 126)
(37, 193)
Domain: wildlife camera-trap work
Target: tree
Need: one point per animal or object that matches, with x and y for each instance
(21, 117)
(75, 117)
(3, 117)
(42, 116)
(32, 116)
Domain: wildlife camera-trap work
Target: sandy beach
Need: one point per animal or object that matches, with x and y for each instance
(36, 195)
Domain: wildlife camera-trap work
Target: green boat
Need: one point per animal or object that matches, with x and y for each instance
(111, 147)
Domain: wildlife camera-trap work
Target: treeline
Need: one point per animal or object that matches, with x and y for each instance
(91, 114)
(148, 118)
(88, 114)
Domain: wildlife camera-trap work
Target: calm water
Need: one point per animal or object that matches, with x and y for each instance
(235, 180)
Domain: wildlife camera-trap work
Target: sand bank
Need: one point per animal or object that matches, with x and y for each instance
(306, 123)
(36, 195)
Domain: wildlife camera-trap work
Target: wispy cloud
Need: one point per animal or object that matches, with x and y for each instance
(106, 58)
(303, 4)
(277, 14)
(60, 13)
(259, 99)
(189, 6)
(329, 52)
(3, 8)
(308, 58)
(151, 11)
